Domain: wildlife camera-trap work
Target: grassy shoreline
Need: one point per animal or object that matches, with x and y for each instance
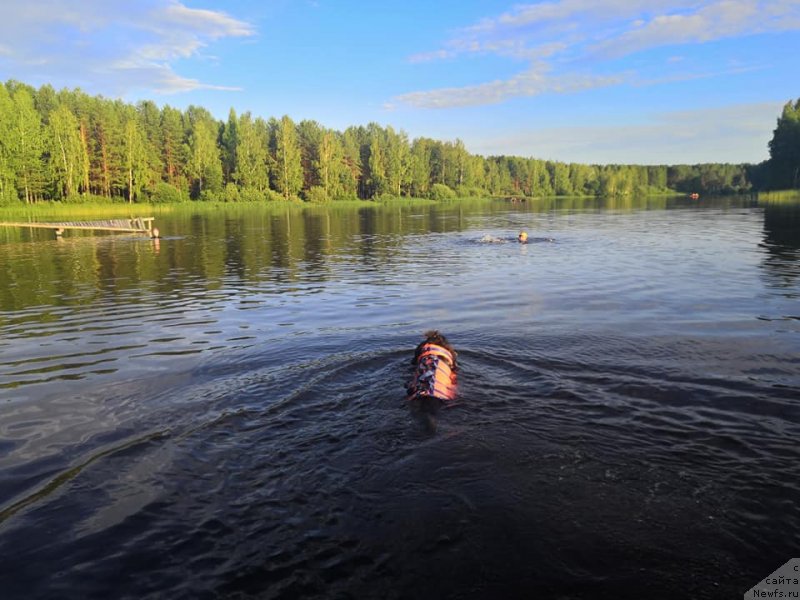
(63, 211)
(779, 196)
(99, 210)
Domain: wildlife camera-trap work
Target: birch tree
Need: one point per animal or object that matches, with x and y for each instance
(27, 144)
(135, 159)
(8, 191)
(205, 166)
(287, 168)
(251, 154)
(67, 154)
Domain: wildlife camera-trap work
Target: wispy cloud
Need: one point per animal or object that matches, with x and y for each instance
(558, 39)
(532, 82)
(123, 44)
(733, 133)
(714, 21)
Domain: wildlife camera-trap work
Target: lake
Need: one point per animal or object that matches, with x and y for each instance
(221, 413)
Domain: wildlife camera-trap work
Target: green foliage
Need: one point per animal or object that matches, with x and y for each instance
(67, 152)
(465, 191)
(792, 196)
(229, 145)
(27, 144)
(273, 196)
(375, 175)
(709, 178)
(231, 193)
(136, 166)
(386, 197)
(317, 195)
(68, 146)
(174, 150)
(420, 167)
(331, 169)
(8, 197)
(252, 195)
(440, 191)
(345, 197)
(250, 170)
(208, 195)
(287, 170)
(84, 199)
(783, 167)
(166, 193)
(204, 165)
(7, 188)
(560, 178)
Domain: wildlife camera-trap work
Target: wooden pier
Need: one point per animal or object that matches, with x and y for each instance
(142, 225)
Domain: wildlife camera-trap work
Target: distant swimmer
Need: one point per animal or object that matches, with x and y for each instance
(490, 239)
(522, 238)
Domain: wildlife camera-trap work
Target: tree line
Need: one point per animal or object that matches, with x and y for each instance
(782, 170)
(69, 146)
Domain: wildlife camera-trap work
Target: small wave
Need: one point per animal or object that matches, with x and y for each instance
(66, 476)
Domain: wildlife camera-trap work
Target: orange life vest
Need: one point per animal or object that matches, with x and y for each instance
(435, 374)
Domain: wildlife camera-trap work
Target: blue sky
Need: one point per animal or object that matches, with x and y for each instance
(594, 81)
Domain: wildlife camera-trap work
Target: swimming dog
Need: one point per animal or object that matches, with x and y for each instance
(435, 370)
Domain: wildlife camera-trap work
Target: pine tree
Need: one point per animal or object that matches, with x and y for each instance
(148, 120)
(309, 134)
(173, 148)
(107, 134)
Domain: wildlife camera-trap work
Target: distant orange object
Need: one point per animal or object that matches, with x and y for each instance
(694, 196)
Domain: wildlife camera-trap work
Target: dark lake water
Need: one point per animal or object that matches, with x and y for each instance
(221, 414)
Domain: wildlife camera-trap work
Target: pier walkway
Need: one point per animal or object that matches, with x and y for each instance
(137, 225)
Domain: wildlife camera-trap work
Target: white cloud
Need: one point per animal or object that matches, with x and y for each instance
(161, 79)
(559, 38)
(717, 20)
(113, 45)
(202, 22)
(429, 56)
(732, 134)
(529, 83)
(548, 12)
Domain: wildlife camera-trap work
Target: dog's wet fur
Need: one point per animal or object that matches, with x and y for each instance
(426, 408)
(434, 337)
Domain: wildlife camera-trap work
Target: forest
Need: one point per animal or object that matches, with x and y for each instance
(68, 146)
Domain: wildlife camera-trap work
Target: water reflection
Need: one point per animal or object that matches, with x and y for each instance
(241, 242)
(782, 242)
(85, 290)
(227, 403)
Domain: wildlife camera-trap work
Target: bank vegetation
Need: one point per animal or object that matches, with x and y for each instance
(69, 147)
